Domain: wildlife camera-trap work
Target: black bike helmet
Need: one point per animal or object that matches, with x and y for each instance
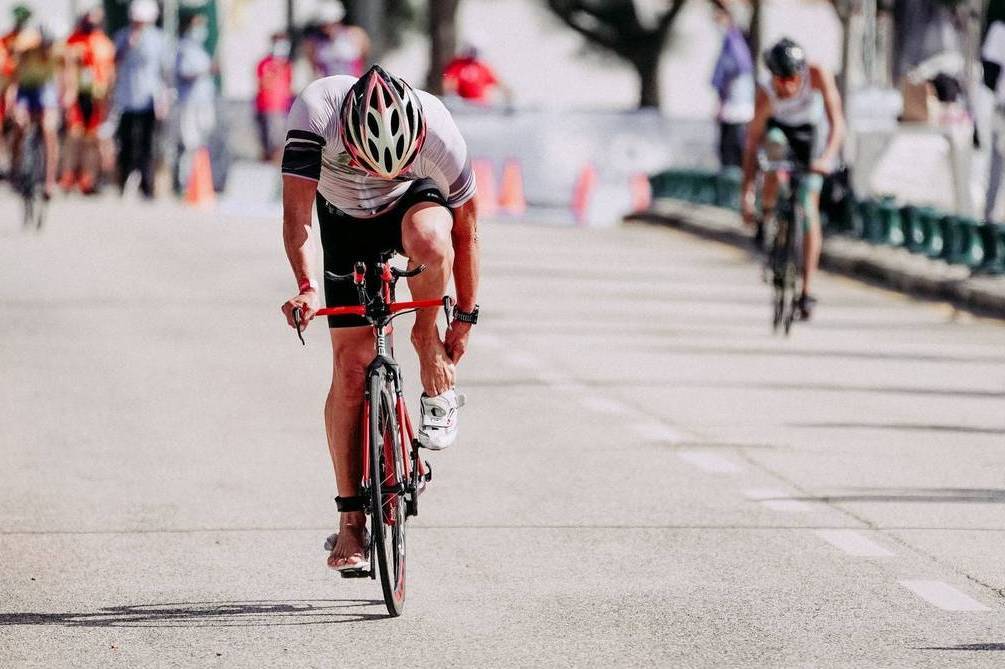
(785, 58)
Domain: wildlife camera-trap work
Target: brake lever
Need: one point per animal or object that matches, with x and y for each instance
(448, 303)
(408, 273)
(296, 321)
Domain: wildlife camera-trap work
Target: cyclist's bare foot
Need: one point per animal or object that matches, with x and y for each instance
(436, 369)
(349, 549)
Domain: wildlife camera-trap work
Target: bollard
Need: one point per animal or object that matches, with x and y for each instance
(993, 241)
(728, 189)
(933, 239)
(871, 229)
(891, 224)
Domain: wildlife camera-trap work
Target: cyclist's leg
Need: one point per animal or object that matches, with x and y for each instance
(425, 236)
(812, 233)
(73, 147)
(48, 121)
(20, 118)
(352, 350)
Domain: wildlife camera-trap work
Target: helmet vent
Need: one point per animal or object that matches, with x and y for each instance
(388, 163)
(395, 122)
(399, 148)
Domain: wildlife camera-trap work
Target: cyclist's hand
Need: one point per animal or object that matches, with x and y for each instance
(308, 304)
(821, 166)
(748, 202)
(436, 371)
(456, 340)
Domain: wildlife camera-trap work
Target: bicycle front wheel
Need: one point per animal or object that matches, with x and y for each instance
(387, 488)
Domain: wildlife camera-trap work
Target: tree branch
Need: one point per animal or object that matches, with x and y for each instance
(566, 12)
(667, 21)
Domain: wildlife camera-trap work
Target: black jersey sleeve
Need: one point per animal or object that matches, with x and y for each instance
(302, 154)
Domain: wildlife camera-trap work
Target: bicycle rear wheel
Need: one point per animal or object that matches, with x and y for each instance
(387, 487)
(32, 180)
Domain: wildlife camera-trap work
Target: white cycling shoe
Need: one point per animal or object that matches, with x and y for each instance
(438, 427)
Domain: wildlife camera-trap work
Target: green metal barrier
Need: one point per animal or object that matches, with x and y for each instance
(993, 241)
(962, 242)
(924, 230)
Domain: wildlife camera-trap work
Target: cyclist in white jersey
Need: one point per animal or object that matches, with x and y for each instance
(388, 170)
(795, 103)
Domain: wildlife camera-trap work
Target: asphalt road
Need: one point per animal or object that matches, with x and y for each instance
(646, 476)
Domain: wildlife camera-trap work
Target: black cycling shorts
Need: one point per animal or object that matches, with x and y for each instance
(802, 140)
(346, 240)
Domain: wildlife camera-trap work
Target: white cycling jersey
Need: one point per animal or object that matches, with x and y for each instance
(806, 107)
(314, 150)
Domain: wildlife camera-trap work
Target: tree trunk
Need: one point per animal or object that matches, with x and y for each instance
(648, 69)
(754, 31)
(370, 15)
(442, 41)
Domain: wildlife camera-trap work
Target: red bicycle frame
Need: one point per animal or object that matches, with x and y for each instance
(380, 320)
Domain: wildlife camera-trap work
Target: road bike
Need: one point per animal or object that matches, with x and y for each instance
(394, 474)
(785, 253)
(30, 179)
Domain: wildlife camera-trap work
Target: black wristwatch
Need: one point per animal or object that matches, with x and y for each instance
(466, 316)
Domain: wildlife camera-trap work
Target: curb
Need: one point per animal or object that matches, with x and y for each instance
(886, 266)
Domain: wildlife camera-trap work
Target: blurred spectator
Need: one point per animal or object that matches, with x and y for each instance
(92, 55)
(993, 60)
(21, 15)
(336, 48)
(196, 94)
(470, 78)
(733, 80)
(275, 81)
(140, 96)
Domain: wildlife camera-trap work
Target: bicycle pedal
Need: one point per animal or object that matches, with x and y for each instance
(429, 472)
(355, 573)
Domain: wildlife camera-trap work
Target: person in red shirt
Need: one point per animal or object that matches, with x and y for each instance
(275, 95)
(470, 78)
(93, 54)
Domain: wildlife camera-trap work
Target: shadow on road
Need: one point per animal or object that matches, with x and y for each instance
(265, 613)
(969, 646)
(914, 427)
(939, 495)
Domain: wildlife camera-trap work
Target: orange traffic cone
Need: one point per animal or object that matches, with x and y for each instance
(583, 193)
(199, 191)
(511, 198)
(642, 192)
(485, 181)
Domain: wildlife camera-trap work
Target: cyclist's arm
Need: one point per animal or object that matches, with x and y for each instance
(824, 82)
(298, 202)
(755, 134)
(464, 235)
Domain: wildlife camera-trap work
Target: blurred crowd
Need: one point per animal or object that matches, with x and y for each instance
(112, 108)
(98, 102)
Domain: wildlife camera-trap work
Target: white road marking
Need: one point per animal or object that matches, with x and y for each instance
(853, 543)
(776, 500)
(944, 596)
(653, 430)
(489, 340)
(525, 360)
(603, 404)
(710, 462)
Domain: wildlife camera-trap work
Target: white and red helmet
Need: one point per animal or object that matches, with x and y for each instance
(383, 127)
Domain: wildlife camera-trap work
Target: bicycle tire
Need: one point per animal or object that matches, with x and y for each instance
(387, 503)
(32, 180)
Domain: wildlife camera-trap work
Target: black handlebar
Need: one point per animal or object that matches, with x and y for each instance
(408, 273)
